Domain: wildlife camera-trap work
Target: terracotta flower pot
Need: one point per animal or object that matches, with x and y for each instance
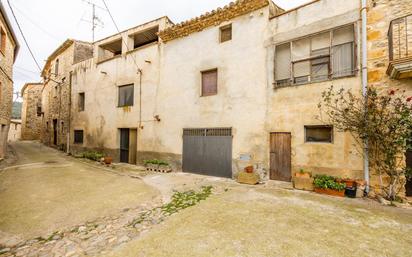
(249, 169)
(328, 191)
(349, 182)
(302, 175)
(108, 160)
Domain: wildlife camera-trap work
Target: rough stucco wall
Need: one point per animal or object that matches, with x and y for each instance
(240, 101)
(289, 109)
(31, 122)
(6, 87)
(14, 132)
(102, 118)
(380, 14)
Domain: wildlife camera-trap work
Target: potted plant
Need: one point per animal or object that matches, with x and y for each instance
(303, 180)
(328, 185)
(303, 174)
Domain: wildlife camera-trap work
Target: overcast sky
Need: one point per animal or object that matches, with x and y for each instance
(47, 23)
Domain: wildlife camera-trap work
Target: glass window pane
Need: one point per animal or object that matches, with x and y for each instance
(343, 35)
(301, 49)
(282, 62)
(126, 95)
(343, 60)
(318, 134)
(321, 41)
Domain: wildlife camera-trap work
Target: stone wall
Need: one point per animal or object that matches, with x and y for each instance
(6, 84)
(380, 14)
(56, 96)
(14, 131)
(31, 119)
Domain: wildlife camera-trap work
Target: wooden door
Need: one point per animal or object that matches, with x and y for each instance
(124, 145)
(280, 156)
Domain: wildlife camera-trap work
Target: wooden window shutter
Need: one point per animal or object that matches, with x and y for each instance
(226, 33)
(209, 82)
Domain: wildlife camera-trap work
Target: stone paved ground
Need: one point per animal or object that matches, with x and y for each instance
(59, 206)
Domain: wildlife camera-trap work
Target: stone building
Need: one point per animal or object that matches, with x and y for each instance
(222, 91)
(234, 87)
(390, 51)
(14, 131)
(8, 52)
(56, 99)
(31, 113)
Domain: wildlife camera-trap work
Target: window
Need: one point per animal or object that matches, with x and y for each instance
(2, 41)
(81, 102)
(56, 67)
(78, 136)
(209, 82)
(38, 109)
(126, 95)
(225, 33)
(109, 50)
(319, 134)
(316, 58)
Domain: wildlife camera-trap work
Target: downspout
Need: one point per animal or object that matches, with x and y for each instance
(365, 86)
(70, 113)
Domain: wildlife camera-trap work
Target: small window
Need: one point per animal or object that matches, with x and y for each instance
(81, 102)
(126, 95)
(56, 67)
(319, 134)
(2, 41)
(209, 82)
(62, 127)
(78, 136)
(225, 33)
(38, 110)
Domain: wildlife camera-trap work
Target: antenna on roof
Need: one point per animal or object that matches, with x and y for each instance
(96, 21)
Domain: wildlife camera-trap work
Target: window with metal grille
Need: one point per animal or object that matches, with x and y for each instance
(126, 95)
(78, 136)
(207, 132)
(319, 134)
(209, 82)
(315, 58)
(81, 101)
(38, 109)
(225, 33)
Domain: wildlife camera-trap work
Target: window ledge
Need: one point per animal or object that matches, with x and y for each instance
(314, 82)
(141, 47)
(109, 59)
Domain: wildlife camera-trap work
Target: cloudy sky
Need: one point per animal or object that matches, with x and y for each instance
(47, 23)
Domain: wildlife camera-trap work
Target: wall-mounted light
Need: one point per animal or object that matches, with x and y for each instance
(148, 61)
(157, 118)
(103, 72)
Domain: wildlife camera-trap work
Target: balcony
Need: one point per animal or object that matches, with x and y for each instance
(400, 48)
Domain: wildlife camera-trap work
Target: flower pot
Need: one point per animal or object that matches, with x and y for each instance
(328, 191)
(249, 169)
(303, 183)
(108, 160)
(302, 175)
(349, 182)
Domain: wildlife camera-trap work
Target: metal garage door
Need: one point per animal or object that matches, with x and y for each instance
(208, 151)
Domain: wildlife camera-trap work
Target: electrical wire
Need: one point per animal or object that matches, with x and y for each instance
(124, 41)
(37, 25)
(22, 34)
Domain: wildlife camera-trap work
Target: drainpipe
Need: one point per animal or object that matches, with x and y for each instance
(70, 113)
(365, 86)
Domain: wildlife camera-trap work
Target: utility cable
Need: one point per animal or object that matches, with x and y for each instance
(22, 34)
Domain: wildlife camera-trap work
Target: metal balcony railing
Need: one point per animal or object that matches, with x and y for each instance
(400, 38)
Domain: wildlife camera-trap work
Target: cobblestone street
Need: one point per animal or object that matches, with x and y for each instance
(62, 206)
